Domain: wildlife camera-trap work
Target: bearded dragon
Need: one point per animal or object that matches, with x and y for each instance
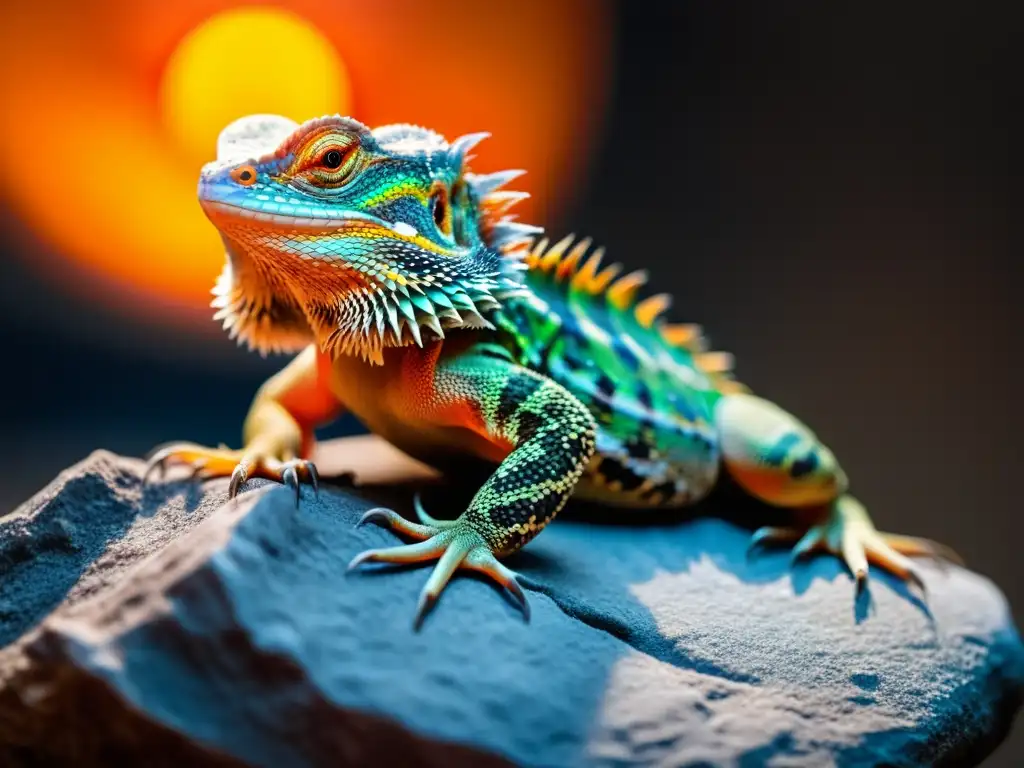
(417, 302)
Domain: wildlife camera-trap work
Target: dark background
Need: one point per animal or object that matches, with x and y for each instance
(826, 188)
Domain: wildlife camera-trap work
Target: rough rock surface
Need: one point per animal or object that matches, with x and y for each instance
(169, 628)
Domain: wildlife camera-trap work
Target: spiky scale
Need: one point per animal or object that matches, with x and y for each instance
(406, 307)
(507, 232)
(378, 314)
(604, 278)
(497, 204)
(622, 292)
(414, 331)
(433, 323)
(714, 362)
(392, 315)
(461, 146)
(683, 335)
(438, 297)
(485, 184)
(422, 303)
(452, 315)
(555, 253)
(462, 301)
(648, 310)
(587, 273)
(568, 265)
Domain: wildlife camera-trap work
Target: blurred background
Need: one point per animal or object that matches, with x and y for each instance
(826, 188)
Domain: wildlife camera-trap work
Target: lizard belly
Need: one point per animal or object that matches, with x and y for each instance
(395, 401)
(629, 474)
(445, 448)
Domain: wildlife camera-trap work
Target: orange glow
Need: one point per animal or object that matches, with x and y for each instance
(110, 108)
(213, 76)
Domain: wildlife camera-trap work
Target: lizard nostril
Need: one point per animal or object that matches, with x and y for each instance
(244, 175)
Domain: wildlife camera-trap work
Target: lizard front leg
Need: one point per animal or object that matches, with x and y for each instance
(549, 435)
(278, 431)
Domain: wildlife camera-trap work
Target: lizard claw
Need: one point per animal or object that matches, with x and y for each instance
(148, 471)
(453, 543)
(291, 479)
(848, 534)
(485, 562)
(155, 460)
(239, 466)
(314, 478)
(286, 472)
(238, 476)
(421, 513)
(388, 518)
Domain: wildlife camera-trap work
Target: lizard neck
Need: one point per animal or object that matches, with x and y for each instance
(256, 306)
(274, 301)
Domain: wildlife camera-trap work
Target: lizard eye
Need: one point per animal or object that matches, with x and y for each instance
(335, 157)
(328, 159)
(333, 166)
(332, 159)
(441, 210)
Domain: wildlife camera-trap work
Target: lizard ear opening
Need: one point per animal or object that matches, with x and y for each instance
(441, 210)
(462, 220)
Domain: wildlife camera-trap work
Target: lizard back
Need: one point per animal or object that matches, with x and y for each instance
(651, 386)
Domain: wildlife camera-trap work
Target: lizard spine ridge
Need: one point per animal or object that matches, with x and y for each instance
(567, 267)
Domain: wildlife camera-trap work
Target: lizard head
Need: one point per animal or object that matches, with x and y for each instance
(356, 239)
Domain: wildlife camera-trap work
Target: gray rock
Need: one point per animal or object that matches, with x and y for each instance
(171, 627)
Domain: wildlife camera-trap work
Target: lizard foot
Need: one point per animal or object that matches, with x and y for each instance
(240, 466)
(453, 543)
(849, 534)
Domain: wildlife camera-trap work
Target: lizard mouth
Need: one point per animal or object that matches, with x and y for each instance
(272, 215)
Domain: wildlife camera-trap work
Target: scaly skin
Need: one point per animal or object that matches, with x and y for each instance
(415, 302)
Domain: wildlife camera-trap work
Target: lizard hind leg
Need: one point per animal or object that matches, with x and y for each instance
(778, 460)
(773, 456)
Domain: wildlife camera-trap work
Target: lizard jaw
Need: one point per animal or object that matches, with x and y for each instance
(274, 298)
(317, 222)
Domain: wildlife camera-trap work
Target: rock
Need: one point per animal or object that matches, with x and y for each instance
(170, 627)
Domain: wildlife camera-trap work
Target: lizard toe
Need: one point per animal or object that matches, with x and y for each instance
(204, 462)
(388, 518)
(847, 533)
(238, 465)
(455, 546)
